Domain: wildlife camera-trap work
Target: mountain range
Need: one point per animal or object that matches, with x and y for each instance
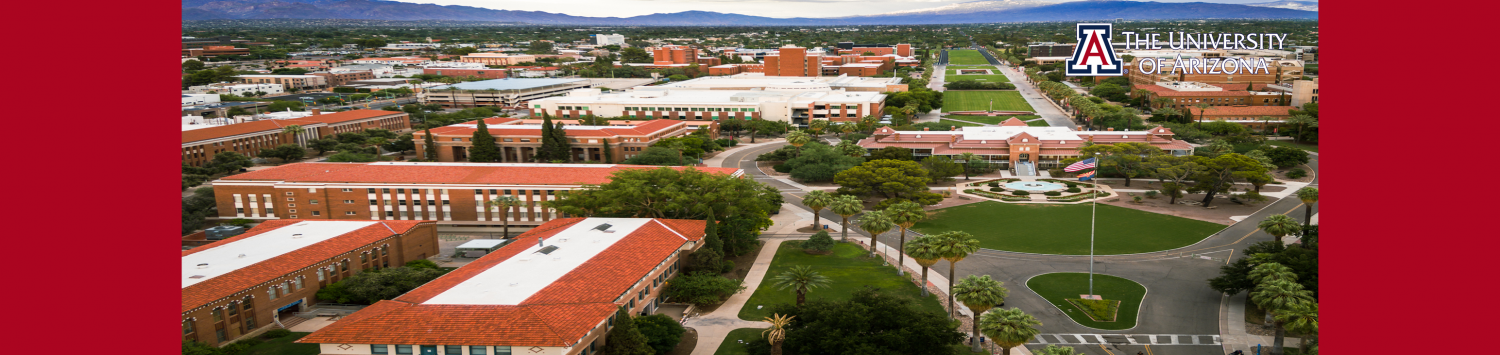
(1293, 5)
(971, 12)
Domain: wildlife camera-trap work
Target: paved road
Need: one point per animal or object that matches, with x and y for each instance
(1178, 300)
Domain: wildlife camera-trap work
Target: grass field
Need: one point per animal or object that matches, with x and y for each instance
(966, 56)
(1304, 146)
(957, 123)
(996, 78)
(732, 343)
(284, 346)
(955, 71)
(993, 119)
(848, 267)
(1064, 229)
(971, 100)
(1059, 286)
(1038, 123)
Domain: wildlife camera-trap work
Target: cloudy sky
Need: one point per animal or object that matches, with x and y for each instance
(770, 8)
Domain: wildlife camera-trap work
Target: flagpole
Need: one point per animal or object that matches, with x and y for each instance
(1093, 220)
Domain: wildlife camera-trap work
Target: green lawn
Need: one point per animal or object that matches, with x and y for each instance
(848, 267)
(732, 345)
(957, 123)
(971, 100)
(1038, 123)
(1304, 146)
(1056, 287)
(955, 71)
(993, 119)
(284, 346)
(966, 56)
(996, 78)
(1064, 229)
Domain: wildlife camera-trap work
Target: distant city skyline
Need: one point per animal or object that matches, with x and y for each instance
(767, 8)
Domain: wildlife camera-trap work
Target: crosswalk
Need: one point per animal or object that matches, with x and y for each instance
(1126, 339)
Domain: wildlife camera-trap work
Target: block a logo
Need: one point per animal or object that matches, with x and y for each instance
(1094, 55)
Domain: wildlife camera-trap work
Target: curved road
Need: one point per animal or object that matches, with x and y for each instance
(1178, 301)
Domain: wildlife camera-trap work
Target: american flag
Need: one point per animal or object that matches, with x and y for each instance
(1081, 165)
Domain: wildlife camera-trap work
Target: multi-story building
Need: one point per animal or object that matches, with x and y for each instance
(1049, 50)
(341, 78)
(1014, 142)
(552, 291)
(199, 99)
(1304, 91)
(482, 73)
(453, 194)
(289, 82)
(497, 58)
(215, 51)
(795, 103)
(500, 92)
(236, 89)
(1253, 116)
(792, 60)
(1185, 93)
(605, 40)
(755, 81)
(200, 145)
(520, 140)
(673, 54)
(237, 287)
(409, 60)
(902, 49)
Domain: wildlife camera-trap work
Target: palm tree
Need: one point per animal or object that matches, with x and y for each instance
(846, 206)
(293, 131)
(1302, 122)
(1272, 272)
(1008, 328)
(816, 200)
(979, 293)
(954, 246)
(1280, 225)
(1053, 349)
(1202, 111)
(925, 251)
(875, 223)
(968, 159)
(1309, 196)
(905, 214)
(505, 203)
(908, 111)
(818, 126)
(800, 279)
(1302, 318)
(797, 138)
(847, 127)
(1276, 297)
(777, 332)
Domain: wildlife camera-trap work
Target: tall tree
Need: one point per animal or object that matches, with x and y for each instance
(1309, 197)
(798, 138)
(482, 145)
(1008, 328)
(776, 334)
(875, 223)
(609, 154)
(1219, 173)
(980, 293)
(429, 146)
(905, 214)
(800, 279)
(954, 246)
(625, 338)
(561, 146)
(506, 205)
(817, 200)
(1129, 159)
(926, 253)
(711, 234)
(846, 206)
(1280, 225)
(1276, 297)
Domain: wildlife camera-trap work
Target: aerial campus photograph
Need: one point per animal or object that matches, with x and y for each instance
(689, 177)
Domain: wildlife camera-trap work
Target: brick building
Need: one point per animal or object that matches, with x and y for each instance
(1049, 50)
(200, 145)
(553, 290)
(673, 54)
(732, 69)
(1278, 71)
(214, 51)
(341, 79)
(1185, 94)
(453, 194)
(497, 58)
(244, 284)
(519, 140)
(1253, 116)
(793, 61)
(1014, 142)
(290, 82)
(482, 73)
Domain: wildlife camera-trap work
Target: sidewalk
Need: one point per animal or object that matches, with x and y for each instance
(713, 327)
(1232, 328)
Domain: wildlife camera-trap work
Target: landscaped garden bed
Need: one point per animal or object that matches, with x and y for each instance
(1097, 310)
(1078, 197)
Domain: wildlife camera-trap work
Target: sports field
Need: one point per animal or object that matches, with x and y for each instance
(966, 57)
(954, 71)
(995, 78)
(1064, 229)
(972, 100)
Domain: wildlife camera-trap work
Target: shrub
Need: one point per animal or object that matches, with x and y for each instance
(726, 142)
(994, 184)
(662, 333)
(1021, 193)
(1053, 193)
(421, 263)
(702, 288)
(1074, 189)
(1296, 173)
(781, 168)
(1151, 194)
(277, 333)
(726, 266)
(996, 189)
(1136, 198)
(819, 242)
(1072, 184)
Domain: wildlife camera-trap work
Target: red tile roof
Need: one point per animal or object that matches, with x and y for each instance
(447, 173)
(559, 315)
(273, 126)
(498, 126)
(351, 115)
(1161, 91)
(228, 284)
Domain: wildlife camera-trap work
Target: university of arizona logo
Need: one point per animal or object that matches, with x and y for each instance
(1094, 55)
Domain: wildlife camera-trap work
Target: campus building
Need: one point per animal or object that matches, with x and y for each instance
(796, 105)
(497, 58)
(554, 290)
(1013, 142)
(248, 137)
(235, 89)
(792, 60)
(520, 140)
(1183, 94)
(243, 285)
(753, 81)
(1049, 50)
(1304, 92)
(214, 51)
(290, 82)
(605, 40)
(1253, 116)
(902, 49)
(1278, 71)
(453, 194)
(341, 78)
(499, 92)
(459, 73)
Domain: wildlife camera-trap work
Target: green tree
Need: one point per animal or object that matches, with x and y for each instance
(954, 246)
(850, 149)
(506, 204)
(891, 153)
(192, 65)
(980, 293)
(662, 332)
(925, 252)
(1301, 318)
(1219, 173)
(1008, 328)
(1280, 225)
(344, 156)
(941, 168)
(368, 287)
(1129, 159)
(872, 321)
(800, 279)
(817, 200)
(905, 214)
(625, 338)
(635, 55)
(228, 162)
(846, 206)
(539, 47)
(1053, 349)
(286, 152)
(609, 153)
(776, 334)
(429, 146)
(1302, 122)
(886, 178)
(1309, 197)
(797, 139)
(875, 223)
(660, 156)
(482, 147)
(670, 193)
(702, 288)
(1277, 297)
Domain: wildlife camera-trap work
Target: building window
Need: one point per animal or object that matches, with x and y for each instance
(403, 349)
(312, 202)
(477, 350)
(289, 194)
(502, 350)
(288, 198)
(348, 190)
(317, 213)
(453, 349)
(370, 190)
(379, 349)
